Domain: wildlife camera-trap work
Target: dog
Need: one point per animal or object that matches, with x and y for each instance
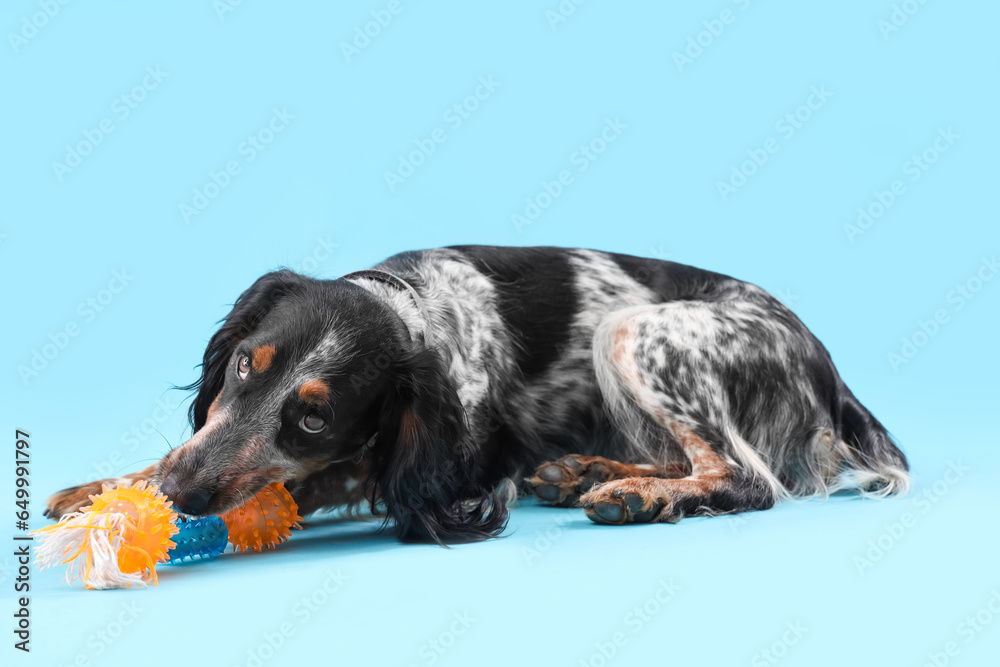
(429, 386)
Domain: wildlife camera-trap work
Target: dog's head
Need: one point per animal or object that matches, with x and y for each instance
(305, 373)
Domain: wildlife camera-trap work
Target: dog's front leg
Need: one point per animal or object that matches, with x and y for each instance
(75, 497)
(337, 486)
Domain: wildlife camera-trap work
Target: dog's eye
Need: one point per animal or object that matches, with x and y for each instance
(243, 367)
(312, 423)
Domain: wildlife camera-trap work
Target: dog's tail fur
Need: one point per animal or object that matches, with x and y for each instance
(872, 462)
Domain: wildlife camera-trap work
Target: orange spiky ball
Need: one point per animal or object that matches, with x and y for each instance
(115, 542)
(146, 535)
(265, 521)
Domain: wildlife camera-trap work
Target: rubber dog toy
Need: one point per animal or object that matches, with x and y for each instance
(264, 522)
(198, 539)
(118, 540)
(114, 543)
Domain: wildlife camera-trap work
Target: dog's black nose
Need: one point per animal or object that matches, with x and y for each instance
(188, 501)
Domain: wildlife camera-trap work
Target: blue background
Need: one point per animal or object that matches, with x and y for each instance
(557, 589)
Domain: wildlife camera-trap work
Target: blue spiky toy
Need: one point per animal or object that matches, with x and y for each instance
(201, 538)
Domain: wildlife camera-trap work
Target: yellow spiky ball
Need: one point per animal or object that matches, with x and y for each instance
(147, 532)
(116, 542)
(265, 521)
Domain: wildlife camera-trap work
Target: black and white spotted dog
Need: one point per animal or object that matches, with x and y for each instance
(643, 390)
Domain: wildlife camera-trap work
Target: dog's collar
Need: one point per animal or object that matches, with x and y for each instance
(400, 284)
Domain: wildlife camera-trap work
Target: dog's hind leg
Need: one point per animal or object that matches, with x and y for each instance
(675, 374)
(715, 486)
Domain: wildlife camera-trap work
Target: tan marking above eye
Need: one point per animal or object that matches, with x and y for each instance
(314, 391)
(262, 357)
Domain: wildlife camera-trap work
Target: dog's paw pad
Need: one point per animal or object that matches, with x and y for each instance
(561, 482)
(625, 501)
(551, 472)
(607, 512)
(547, 492)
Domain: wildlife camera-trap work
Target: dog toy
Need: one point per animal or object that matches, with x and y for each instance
(114, 543)
(264, 522)
(118, 540)
(201, 538)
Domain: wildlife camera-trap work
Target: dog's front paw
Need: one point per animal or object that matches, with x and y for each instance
(72, 499)
(561, 482)
(75, 497)
(634, 500)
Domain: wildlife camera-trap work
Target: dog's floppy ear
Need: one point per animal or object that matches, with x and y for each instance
(420, 463)
(249, 309)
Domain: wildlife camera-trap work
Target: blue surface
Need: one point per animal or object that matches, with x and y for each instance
(100, 262)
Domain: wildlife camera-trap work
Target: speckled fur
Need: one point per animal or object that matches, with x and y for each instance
(517, 356)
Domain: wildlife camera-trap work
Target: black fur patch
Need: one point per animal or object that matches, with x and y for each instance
(535, 299)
